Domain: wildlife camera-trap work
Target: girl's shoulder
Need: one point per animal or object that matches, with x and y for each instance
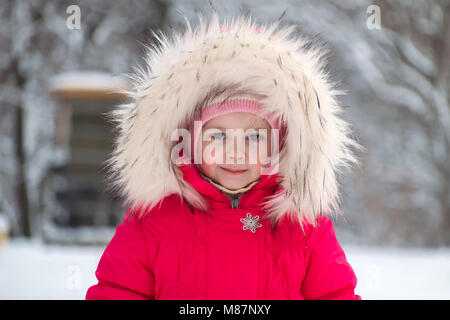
(169, 216)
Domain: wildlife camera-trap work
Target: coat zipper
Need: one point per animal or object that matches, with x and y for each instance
(234, 200)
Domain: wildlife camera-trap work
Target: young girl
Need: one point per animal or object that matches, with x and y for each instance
(227, 158)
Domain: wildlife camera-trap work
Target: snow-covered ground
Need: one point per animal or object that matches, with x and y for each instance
(32, 270)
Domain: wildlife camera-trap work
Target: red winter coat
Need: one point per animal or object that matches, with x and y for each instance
(175, 253)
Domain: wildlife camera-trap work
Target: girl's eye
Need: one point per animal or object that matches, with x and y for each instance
(218, 135)
(254, 137)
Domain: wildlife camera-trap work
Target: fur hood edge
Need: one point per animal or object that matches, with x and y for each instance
(183, 71)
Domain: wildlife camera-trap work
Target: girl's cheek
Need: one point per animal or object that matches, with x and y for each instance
(265, 150)
(206, 157)
(261, 152)
(209, 154)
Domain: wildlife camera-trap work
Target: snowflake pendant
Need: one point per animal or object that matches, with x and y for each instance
(251, 222)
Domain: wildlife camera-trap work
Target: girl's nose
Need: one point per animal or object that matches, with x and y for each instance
(235, 152)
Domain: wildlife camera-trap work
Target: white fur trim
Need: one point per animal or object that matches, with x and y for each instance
(288, 75)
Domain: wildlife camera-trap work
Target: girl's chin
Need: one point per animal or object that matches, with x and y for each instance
(234, 182)
(234, 187)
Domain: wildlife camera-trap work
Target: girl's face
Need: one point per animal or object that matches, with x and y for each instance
(236, 147)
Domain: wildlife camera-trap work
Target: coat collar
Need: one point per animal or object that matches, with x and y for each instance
(253, 198)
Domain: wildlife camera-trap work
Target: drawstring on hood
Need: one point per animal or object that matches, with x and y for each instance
(183, 72)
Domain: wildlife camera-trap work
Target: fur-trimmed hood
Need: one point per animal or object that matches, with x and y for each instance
(186, 70)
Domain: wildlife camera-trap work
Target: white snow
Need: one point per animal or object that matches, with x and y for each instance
(399, 273)
(33, 270)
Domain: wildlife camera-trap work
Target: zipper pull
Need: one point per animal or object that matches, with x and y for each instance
(234, 203)
(234, 200)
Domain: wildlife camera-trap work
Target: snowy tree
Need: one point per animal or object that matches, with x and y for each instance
(39, 44)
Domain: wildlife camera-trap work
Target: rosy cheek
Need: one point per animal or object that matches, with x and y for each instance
(266, 150)
(214, 152)
(208, 153)
(208, 164)
(207, 169)
(259, 153)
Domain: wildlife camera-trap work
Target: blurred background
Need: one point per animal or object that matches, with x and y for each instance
(62, 61)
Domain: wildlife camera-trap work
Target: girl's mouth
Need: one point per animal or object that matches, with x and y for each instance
(233, 171)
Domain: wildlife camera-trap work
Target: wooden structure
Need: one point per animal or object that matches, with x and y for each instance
(82, 210)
